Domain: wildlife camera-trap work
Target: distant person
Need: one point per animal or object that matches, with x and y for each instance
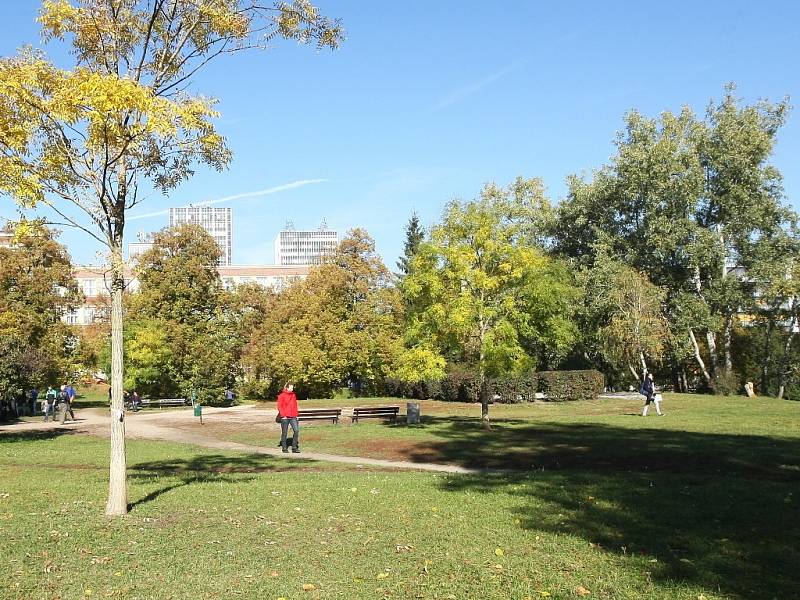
(64, 405)
(33, 396)
(72, 393)
(648, 390)
(49, 403)
(229, 396)
(287, 411)
(136, 401)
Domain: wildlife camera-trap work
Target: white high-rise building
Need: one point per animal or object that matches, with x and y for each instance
(216, 221)
(304, 247)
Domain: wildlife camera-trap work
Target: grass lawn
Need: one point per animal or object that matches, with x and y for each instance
(701, 503)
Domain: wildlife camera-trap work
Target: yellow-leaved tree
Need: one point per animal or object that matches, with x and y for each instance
(86, 141)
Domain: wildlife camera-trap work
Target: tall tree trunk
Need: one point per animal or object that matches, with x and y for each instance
(787, 347)
(699, 358)
(634, 373)
(117, 503)
(643, 362)
(684, 380)
(727, 342)
(711, 340)
(766, 360)
(485, 403)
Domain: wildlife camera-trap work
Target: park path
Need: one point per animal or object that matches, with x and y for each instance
(165, 425)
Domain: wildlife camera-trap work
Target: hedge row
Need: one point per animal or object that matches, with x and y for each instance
(465, 387)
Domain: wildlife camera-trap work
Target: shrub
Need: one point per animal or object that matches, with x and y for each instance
(259, 389)
(726, 384)
(514, 390)
(570, 385)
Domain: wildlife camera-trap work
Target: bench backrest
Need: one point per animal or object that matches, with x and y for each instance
(320, 411)
(376, 410)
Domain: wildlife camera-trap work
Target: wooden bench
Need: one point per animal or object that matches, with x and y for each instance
(163, 402)
(319, 414)
(375, 412)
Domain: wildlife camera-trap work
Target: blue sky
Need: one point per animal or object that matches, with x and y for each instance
(427, 101)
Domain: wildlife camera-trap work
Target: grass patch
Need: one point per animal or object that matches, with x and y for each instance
(701, 502)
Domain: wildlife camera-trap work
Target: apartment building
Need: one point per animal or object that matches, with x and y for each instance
(216, 221)
(304, 247)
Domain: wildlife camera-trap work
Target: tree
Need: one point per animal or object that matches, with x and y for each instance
(414, 236)
(636, 329)
(481, 293)
(185, 334)
(341, 325)
(692, 203)
(84, 142)
(37, 287)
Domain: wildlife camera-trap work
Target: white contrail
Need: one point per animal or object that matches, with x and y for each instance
(459, 94)
(266, 192)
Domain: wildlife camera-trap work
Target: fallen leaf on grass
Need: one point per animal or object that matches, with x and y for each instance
(399, 549)
(274, 574)
(309, 587)
(381, 576)
(499, 552)
(582, 591)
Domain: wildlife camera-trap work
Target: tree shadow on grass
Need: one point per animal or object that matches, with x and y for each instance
(205, 468)
(719, 511)
(32, 435)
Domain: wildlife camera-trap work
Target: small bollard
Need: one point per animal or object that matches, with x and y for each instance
(412, 413)
(198, 412)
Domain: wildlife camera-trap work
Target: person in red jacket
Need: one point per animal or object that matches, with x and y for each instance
(287, 410)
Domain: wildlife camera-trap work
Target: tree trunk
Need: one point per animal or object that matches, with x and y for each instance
(711, 340)
(727, 342)
(643, 362)
(766, 359)
(699, 358)
(634, 373)
(485, 403)
(785, 358)
(685, 382)
(117, 484)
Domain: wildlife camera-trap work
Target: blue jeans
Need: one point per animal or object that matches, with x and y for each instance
(285, 422)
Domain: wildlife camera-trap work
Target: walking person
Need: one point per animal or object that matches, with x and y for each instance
(33, 396)
(49, 403)
(64, 405)
(287, 411)
(648, 390)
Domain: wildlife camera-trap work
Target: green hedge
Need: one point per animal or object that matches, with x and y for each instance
(570, 385)
(465, 387)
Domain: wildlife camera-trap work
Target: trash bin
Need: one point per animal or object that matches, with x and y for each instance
(198, 410)
(412, 413)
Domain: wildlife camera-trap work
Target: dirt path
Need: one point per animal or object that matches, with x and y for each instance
(166, 425)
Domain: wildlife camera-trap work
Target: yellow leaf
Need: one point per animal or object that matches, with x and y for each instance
(381, 576)
(544, 594)
(88, 592)
(499, 552)
(309, 587)
(582, 591)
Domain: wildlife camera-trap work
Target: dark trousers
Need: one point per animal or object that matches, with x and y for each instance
(285, 422)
